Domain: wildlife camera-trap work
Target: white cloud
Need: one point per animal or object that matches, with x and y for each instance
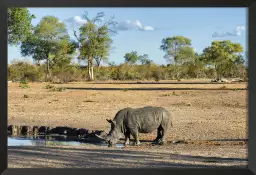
(138, 24)
(76, 20)
(148, 28)
(133, 25)
(79, 20)
(122, 26)
(237, 32)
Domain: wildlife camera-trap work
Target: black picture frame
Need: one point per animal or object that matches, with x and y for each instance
(129, 3)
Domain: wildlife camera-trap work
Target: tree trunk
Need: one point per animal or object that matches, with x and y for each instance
(92, 76)
(217, 73)
(48, 73)
(90, 71)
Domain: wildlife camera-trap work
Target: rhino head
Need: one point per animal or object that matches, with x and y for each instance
(114, 135)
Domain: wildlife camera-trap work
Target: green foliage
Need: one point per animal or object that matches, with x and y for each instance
(156, 72)
(20, 70)
(145, 60)
(224, 56)
(94, 41)
(50, 41)
(19, 25)
(102, 73)
(185, 55)
(176, 48)
(131, 57)
(112, 63)
(68, 73)
(24, 84)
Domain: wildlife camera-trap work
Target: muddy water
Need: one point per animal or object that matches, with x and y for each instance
(52, 140)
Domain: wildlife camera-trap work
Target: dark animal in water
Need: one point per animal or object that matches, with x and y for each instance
(132, 121)
(26, 130)
(61, 130)
(14, 130)
(44, 130)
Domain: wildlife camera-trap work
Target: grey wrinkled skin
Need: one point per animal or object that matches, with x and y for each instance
(132, 121)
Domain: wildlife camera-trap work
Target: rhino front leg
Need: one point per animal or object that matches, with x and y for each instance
(127, 138)
(135, 134)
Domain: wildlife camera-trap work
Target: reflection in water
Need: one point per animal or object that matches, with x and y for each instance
(52, 140)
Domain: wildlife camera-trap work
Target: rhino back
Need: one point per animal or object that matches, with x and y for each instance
(146, 119)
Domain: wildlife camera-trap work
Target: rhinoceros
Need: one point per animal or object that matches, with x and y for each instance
(132, 121)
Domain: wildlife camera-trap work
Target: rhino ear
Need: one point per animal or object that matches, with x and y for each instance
(109, 121)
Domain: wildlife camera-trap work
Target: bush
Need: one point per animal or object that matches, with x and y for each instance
(156, 73)
(20, 70)
(23, 71)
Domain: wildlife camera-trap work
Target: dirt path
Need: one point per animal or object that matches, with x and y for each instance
(89, 156)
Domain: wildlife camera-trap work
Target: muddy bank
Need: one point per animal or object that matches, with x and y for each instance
(65, 134)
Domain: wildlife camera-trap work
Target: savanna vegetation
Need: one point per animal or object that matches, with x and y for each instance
(53, 50)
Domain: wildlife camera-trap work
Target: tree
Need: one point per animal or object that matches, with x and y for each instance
(19, 25)
(94, 40)
(104, 46)
(222, 55)
(145, 60)
(195, 66)
(112, 63)
(50, 41)
(131, 57)
(174, 46)
(185, 55)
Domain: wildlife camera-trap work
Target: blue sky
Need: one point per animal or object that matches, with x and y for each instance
(142, 29)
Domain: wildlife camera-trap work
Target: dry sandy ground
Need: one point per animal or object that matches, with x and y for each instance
(197, 114)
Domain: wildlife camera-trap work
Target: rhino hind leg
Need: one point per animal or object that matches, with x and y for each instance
(159, 134)
(164, 128)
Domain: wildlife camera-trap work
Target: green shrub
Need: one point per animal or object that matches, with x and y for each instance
(19, 70)
(23, 71)
(24, 85)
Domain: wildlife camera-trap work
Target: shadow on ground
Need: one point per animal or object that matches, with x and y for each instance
(163, 83)
(46, 157)
(148, 89)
